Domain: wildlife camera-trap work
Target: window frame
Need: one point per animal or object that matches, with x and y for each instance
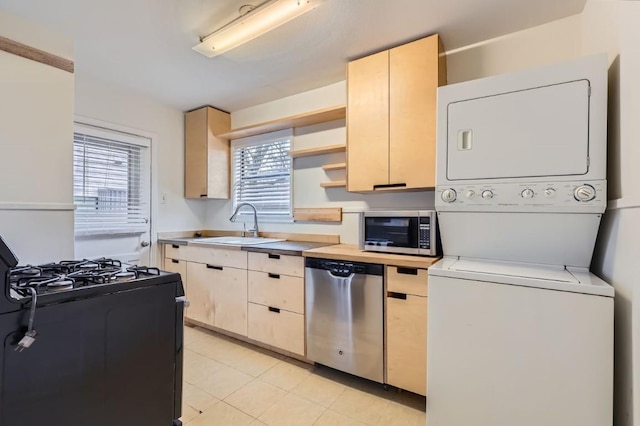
(144, 142)
(246, 214)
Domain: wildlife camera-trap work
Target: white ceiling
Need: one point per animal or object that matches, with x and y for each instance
(145, 45)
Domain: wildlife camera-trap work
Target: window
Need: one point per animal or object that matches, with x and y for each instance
(262, 174)
(110, 186)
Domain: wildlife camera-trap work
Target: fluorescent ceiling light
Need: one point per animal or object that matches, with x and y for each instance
(260, 20)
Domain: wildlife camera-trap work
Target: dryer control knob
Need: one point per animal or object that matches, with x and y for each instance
(470, 193)
(449, 195)
(487, 194)
(549, 192)
(527, 193)
(584, 193)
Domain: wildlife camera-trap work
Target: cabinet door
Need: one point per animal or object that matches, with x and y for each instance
(413, 84)
(180, 267)
(230, 299)
(206, 156)
(368, 122)
(201, 293)
(407, 342)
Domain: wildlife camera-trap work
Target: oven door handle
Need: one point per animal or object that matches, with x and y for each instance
(183, 300)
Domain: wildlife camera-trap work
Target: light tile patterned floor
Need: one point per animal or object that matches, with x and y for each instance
(231, 383)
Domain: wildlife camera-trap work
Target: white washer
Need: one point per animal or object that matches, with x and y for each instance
(518, 344)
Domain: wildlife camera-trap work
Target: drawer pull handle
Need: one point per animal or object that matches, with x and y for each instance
(219, 268)
(274, 256)
(203, 195)
(395, 295)
(408, 271)
(276, 310)
(276, 276)
(391, 185)
(175, 246)
(175, 261)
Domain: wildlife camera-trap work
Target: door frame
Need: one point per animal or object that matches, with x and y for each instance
(153, 198)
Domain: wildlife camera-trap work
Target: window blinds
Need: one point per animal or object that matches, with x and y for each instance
(111, 187)
(262, 173)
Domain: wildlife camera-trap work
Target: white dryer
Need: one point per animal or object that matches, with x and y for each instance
(519, 332)
(521, 164)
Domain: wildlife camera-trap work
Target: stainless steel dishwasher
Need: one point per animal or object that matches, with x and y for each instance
(344, 316)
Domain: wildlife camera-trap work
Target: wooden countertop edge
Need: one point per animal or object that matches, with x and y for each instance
(352, 253)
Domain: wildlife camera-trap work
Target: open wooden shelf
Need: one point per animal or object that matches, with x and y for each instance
(335, 184)
(335, 166)
(329, 149)
(299, 120)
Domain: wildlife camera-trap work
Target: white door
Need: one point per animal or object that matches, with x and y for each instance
(541, 131)
(112, 193)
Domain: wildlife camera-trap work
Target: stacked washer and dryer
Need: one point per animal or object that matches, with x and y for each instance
(520, 332)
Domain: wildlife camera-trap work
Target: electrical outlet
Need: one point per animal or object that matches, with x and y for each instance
(163, 198)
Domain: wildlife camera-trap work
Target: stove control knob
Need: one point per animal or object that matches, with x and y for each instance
(487, 194)
(527, 193)
(449, 195)
(470, 193)
(549, 192)
(584, 193)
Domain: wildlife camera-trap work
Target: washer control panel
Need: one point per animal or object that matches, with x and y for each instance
(583, 196)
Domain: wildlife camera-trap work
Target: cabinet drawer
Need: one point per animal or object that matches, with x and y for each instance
(175, 251)
(283, 329)
(218, 256)
(277, 264)
(407, 280)
(279, 291)
(407, 343)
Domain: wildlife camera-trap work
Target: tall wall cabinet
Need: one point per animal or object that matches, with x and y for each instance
(206, 172)
(391, 117)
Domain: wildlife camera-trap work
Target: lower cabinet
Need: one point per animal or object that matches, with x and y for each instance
(217, 296)
(406, 323)
(257, 295)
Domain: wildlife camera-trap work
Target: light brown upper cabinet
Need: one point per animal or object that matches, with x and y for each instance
(391, 117)
(206, 168)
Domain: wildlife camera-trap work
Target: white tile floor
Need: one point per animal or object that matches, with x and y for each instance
(231, 383)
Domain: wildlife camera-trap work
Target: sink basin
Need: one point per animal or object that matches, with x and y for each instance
(237, 241)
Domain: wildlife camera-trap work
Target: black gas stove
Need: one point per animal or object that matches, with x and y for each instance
(89, 342)
(74, 274)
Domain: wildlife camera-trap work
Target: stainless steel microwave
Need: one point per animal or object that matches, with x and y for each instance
(403, 232)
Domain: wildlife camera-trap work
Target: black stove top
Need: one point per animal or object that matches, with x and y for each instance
(74, 274)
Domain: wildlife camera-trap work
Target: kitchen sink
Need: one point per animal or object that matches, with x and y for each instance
(239, 241)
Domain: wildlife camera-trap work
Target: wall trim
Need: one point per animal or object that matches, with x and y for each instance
(28, 52)
(624, 203)
(38, 206)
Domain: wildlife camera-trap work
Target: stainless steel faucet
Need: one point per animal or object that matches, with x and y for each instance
(253, 231)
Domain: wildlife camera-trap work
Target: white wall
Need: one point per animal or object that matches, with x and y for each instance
(307, 171)
(612, 27)
(36, 109)
(122, 107)
(533, 47)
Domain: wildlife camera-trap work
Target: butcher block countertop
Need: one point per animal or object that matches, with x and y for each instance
(352, 252)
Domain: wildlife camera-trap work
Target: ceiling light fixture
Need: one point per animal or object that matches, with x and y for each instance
(257, 21)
